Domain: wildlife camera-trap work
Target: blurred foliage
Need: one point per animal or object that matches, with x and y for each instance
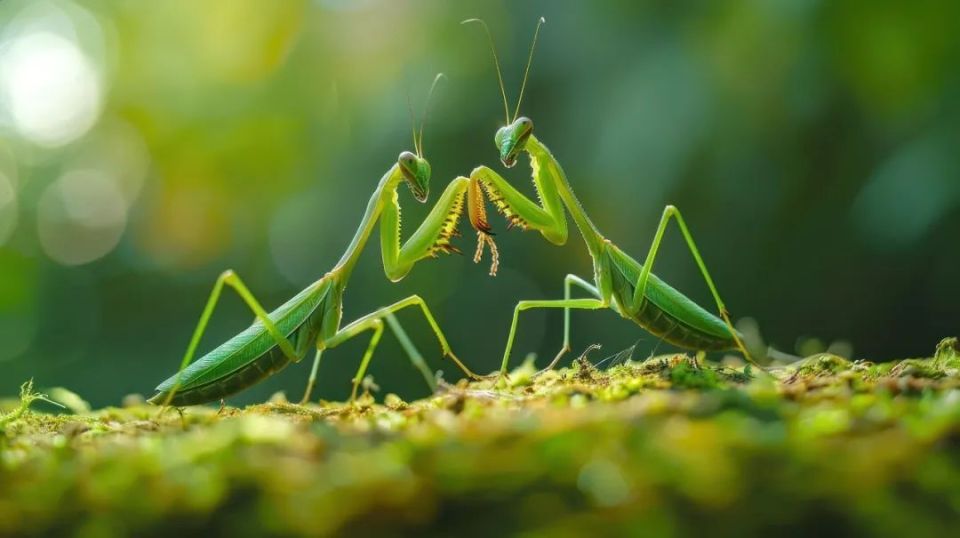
(145, 147)
(822, 447)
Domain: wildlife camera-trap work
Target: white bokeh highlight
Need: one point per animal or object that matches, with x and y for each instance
(50, 90)
(81, 217)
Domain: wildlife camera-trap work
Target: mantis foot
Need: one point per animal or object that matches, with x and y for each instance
(463, 367)
(563, 351)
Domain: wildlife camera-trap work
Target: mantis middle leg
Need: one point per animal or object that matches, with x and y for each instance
(374, 321)
(408, 346)
(584, 304)
(639, 295)
(590, 288)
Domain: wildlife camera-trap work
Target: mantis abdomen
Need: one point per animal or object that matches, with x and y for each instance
(252, 355)
(665, 312)
(671, 329)
(250, 374)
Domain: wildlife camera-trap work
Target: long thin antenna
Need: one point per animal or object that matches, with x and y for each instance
(496, 62)
(426, 108)
(413, 125)
(527, 70)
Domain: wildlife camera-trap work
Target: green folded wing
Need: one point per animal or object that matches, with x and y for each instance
(250, 344)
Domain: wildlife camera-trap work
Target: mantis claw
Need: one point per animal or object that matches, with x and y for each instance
(485, 239)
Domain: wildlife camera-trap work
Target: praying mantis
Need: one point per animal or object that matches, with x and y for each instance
(312, 317)
(619, 282)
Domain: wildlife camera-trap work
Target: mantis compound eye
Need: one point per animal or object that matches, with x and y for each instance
(500, 137)
(407, 160)
(408, 165)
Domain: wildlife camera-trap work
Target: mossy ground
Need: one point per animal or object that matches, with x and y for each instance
(663, 447)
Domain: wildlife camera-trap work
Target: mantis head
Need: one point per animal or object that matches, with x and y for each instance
(512, 139)
(416, 172)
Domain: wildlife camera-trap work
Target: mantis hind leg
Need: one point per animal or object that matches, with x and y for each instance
(230, 278)
(585, 304)
(640, 292)
(374, 321)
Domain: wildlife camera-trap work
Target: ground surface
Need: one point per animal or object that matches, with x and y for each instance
(662, 447)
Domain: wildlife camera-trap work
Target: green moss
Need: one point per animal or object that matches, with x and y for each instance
(669, 446)
(689, 375)
(947, 354)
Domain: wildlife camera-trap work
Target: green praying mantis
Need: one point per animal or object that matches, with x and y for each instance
(619, 282)
(312, 317)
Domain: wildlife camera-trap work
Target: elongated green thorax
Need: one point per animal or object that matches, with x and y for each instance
(542, 161)
(387, 185)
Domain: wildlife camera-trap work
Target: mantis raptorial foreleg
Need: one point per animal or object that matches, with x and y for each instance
(521, 211)
(639, 295)
(230, 278)
(430, 238)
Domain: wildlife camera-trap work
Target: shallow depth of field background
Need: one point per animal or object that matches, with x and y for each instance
(147, 146)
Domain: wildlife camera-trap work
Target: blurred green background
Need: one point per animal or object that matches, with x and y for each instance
(147, 146)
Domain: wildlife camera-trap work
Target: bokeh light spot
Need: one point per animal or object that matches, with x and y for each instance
(49, 88)
(81, 217)
(118, 149)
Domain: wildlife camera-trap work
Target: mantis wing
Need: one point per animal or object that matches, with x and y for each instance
(246, 347)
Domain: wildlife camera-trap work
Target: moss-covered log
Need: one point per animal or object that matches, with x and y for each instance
(663, 447)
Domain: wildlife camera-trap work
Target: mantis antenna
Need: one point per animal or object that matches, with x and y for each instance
(413, 126)
(426, 110)
(496, 62)
(527, 70)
